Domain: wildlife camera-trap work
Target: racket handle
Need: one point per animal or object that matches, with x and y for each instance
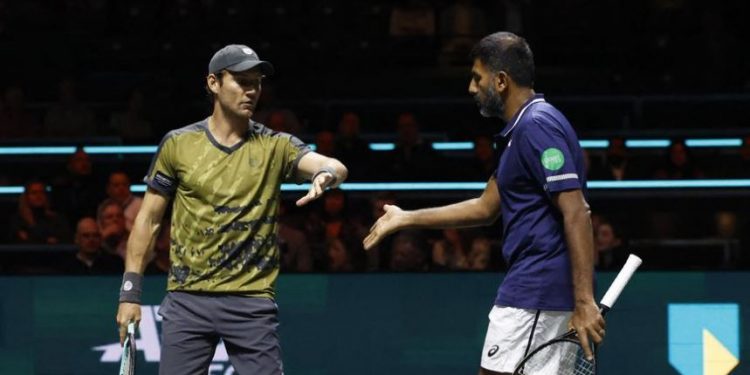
(621, 280)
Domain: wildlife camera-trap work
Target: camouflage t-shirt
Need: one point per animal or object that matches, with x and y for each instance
(224, 216)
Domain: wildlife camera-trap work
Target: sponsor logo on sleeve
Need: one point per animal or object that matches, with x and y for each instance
(164, 181)
(553, 159)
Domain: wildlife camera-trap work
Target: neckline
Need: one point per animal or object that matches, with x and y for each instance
(217, 144)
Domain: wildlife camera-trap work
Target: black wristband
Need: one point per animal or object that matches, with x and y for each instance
(326, 170)
(131, 287)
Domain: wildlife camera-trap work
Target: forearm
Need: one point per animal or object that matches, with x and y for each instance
(469, 213)
(580, 240)
(141, 243)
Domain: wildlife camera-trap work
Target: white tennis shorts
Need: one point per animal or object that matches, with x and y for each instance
(513, 333)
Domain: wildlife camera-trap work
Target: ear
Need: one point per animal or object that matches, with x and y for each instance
(501, 81)
(213, 82)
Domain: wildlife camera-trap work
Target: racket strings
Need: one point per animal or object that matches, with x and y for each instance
(559, 358)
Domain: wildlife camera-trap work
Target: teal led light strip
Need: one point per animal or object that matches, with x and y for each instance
(647, 143)
(714, 142)
(452, 146)
(382, 146)
(376, 146)
(594, 143)
(120, 149)
(48, 150)
(454, 186)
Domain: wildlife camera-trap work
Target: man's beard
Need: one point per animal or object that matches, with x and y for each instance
(492, 105)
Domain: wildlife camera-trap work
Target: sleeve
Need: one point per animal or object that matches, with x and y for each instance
(162, 174)
(293, 150)
(548, 157)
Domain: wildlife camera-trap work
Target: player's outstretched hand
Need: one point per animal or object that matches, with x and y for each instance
(317, 188)
(391, 221)
(589, 324)
(126, 313)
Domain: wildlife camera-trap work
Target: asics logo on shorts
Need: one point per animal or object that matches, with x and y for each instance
(493, 350)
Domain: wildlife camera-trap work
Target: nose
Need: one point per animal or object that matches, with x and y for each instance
(472, 87)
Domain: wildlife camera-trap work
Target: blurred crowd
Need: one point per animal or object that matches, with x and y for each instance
(128, 72)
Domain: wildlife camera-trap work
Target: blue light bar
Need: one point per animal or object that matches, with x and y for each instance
(452, 146)
(120, 149)
(42, 150)
(378, 146)
(454, 186)
(594, 143)
(11, 189)
(647, 143)
(382, 146)
(714, 142)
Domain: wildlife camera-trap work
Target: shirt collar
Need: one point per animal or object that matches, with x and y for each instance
(537, 98)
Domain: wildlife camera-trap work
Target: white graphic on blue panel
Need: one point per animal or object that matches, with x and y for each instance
(704, 339)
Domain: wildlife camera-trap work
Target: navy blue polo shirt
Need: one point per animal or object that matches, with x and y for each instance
(542, 157)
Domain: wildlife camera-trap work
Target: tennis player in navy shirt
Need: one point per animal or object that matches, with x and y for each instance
(539, 190)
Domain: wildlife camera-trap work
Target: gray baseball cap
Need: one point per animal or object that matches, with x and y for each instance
(238, 58)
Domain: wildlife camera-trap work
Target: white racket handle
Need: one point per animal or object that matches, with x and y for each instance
(621, 280)
(131, 327)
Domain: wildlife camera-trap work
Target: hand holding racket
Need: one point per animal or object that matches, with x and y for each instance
(564, 355)
(127, 361)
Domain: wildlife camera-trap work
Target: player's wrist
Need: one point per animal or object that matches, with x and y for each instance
(131, 288)
(329, 170)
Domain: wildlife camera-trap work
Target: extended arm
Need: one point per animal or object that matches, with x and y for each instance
(482, 210)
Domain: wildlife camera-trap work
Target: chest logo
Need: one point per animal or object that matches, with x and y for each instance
(553, 159)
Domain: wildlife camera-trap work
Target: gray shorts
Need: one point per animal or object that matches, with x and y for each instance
(193, 323)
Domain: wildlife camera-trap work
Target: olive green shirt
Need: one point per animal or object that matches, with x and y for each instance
(224, 215)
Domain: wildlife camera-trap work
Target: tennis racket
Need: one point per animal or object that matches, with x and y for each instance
(127, 361)
(564, 355)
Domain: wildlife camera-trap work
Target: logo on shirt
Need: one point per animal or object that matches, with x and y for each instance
(164, 181)
(493, 350)
(552, 159)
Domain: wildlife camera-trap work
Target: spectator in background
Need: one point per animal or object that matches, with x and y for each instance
(350, 148)
(608, 245)
(411, 18)
(461, 25)
(615, 166)
(293, 245)
(132, 125)
(485, 159)
(77, 191)
(412, 159)
(339, 256)
(324, 143)
(111, 220)
(741, 166)
(91, 259)
(15, 120)
(118, 191)
(68, 117)
(409, 252)
(450, 252)
(480, 255)
(35, 222)
(273, 114)
(333, 221)
(679, 164)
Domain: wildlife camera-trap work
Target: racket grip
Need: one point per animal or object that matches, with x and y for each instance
(621, 280)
